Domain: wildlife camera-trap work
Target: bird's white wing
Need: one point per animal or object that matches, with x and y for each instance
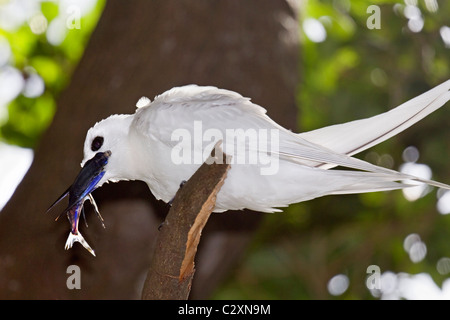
(355, 136)
(181, 107)
(222, 109)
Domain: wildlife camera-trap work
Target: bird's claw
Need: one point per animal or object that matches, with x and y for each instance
(171, 200)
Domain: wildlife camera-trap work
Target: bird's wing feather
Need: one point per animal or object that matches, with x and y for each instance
(223, 109)
(179, 107)
(355, 136)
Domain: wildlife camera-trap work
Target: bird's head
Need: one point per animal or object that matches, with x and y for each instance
(109, 136)
(106, 158)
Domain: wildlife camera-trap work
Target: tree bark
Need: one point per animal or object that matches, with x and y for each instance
(172, 268)
(143, 48)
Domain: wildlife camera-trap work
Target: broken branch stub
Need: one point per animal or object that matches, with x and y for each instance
(172, 268)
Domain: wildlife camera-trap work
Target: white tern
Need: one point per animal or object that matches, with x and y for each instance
(166, 140)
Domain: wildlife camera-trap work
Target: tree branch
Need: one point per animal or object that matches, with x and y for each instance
(172, 268)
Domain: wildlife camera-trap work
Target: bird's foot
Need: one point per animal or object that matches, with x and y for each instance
(181, 186)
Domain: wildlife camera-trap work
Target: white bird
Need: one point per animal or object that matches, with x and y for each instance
(165, 141)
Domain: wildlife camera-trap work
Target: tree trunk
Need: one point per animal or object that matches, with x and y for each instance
(143, 48)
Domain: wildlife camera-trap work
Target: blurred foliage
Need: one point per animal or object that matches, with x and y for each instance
(357, 72)
(31, 53)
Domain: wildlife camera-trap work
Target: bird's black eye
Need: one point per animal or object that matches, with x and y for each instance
(97, 143)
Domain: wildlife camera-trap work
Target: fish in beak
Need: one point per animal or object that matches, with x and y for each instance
(79, 192)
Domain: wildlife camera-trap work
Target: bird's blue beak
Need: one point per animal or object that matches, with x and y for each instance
(79, 191)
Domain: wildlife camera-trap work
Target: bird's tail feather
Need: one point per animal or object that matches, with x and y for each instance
(354, 163)
(355, 136)
(338, 182)
(333, 146)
